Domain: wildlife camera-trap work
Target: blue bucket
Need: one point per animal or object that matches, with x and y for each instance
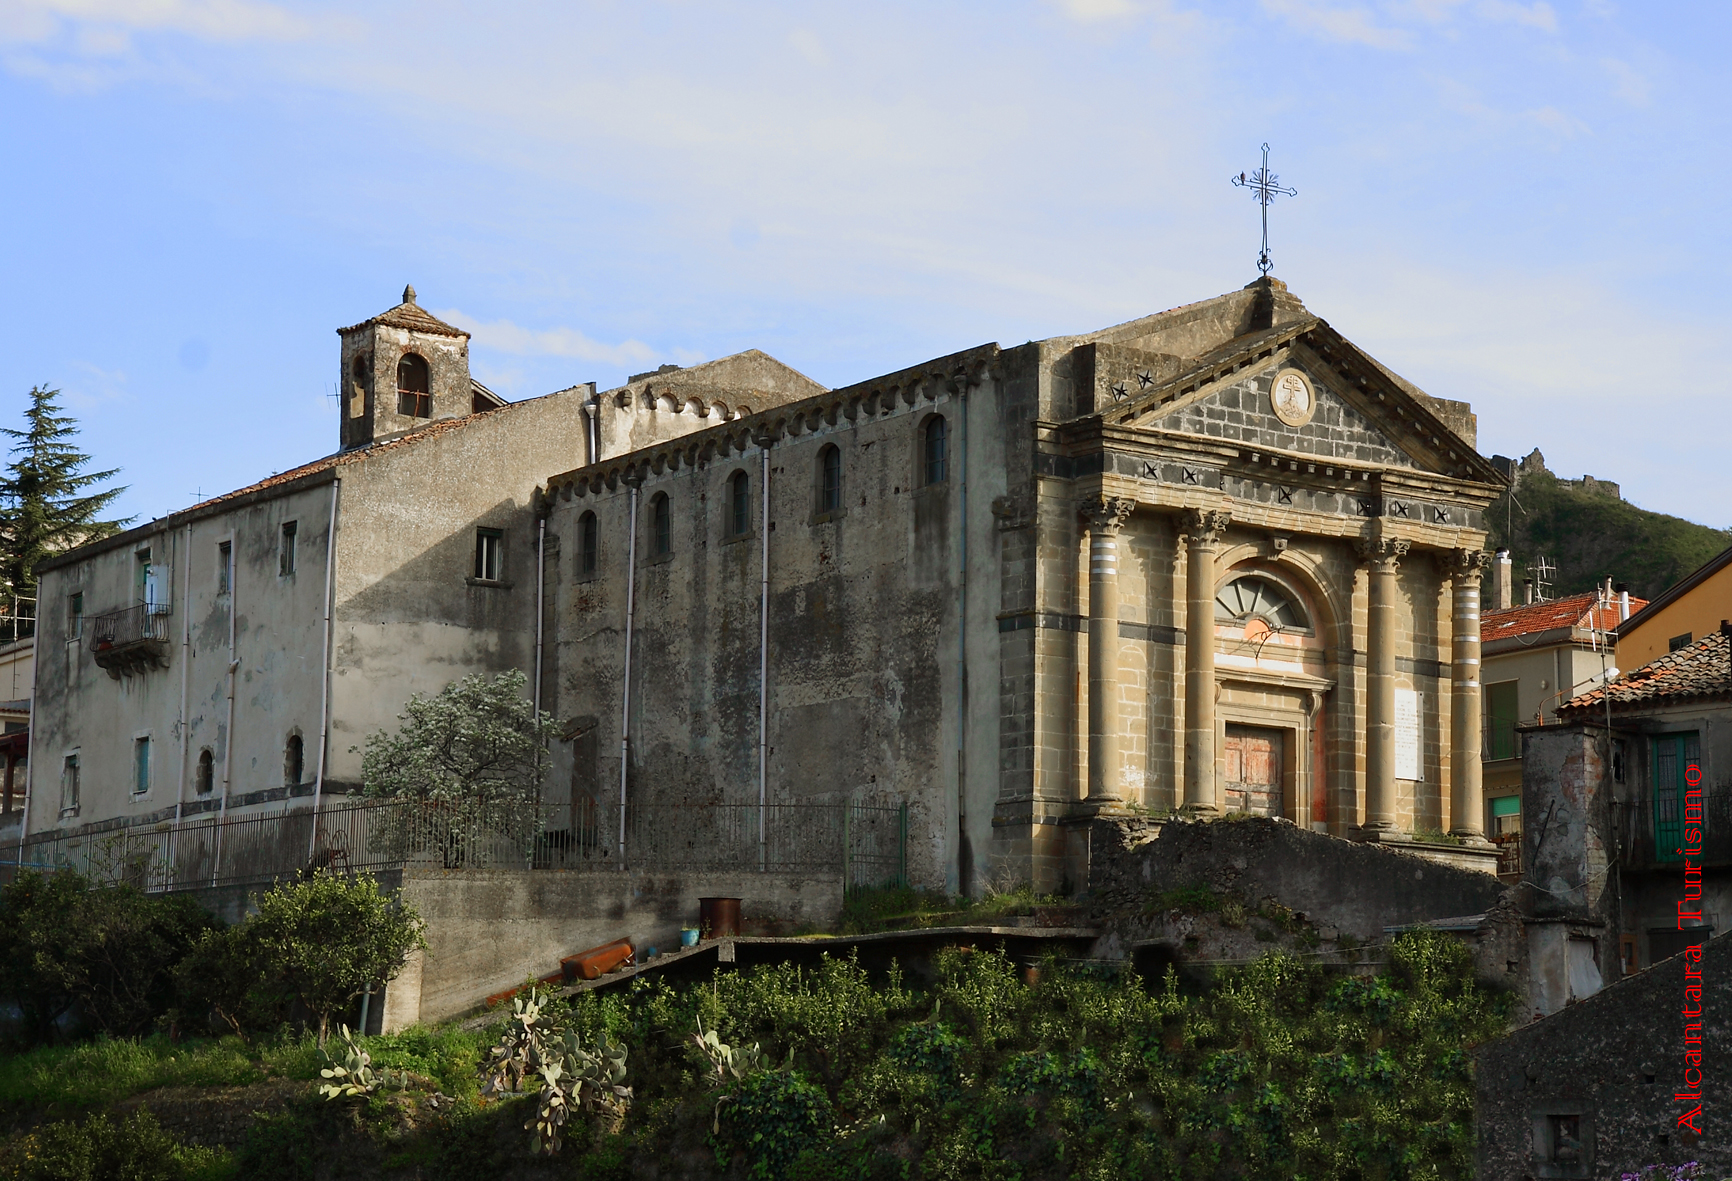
(688, 937)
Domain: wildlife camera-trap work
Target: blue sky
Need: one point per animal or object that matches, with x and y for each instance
(1517, 204)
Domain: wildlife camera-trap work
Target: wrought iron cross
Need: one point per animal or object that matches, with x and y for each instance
(1263, 188)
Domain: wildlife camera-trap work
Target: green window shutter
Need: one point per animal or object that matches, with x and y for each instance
(1500, 720)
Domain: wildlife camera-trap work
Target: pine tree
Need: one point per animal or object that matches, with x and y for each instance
(48, 502)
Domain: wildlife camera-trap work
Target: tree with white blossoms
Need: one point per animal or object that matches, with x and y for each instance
(479, 741)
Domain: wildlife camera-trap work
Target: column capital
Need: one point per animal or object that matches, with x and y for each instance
(1105, 514)
(1463, 563)
(1204, 526)
(1376, 550)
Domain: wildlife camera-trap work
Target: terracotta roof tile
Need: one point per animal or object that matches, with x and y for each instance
(1573, 611)
(1702, 669)
(409, 314)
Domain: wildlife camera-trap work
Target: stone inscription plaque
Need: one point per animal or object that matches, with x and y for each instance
(1407, 762)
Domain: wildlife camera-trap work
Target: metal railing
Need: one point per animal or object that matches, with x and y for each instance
(866, 844)
(1654, 828)
(129, 625)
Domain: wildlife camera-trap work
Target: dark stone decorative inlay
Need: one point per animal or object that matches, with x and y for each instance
(1397, 509)
(1150, 471)
(1367, 508)
(1439, 516)
(1283, 495)
(1191, 475)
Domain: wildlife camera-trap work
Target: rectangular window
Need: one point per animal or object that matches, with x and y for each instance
(1674, 757)
(286, 555)
(75, 615)
(69, 785)
(141, 576)
(588, 544)
(488, 544)
(225, 566)
(1500, 720)
(1677, 642)
(140, 766)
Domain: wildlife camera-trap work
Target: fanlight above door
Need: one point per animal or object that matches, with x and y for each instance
(1251, 597)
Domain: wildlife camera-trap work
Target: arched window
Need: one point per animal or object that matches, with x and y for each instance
(739, 504)
(587, 544)
(205, 781)
(830, 479)
(293, 763)
(413, 396)
(358, 388)
(1250, 598)
(661, 526)
(935, 453)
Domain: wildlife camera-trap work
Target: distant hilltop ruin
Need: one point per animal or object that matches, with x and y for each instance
(1534, 464)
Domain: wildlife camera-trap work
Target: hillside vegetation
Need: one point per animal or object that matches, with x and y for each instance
(983, 1069)
(1591, 536)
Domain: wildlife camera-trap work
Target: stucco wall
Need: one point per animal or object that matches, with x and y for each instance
(1698, 611)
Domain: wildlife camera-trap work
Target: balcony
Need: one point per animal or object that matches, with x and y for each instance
(1654, 831)
(130, 641)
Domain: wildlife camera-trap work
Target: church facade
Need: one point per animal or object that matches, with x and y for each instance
(1216, 560)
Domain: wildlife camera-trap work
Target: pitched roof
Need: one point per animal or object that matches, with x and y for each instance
(408, 314)
(1582, 611)
(1702, 669)
(1677, 590)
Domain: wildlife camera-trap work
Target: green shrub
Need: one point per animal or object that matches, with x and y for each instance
(102, 1149)
(109, 949)
(329, 938)
(772, 1118)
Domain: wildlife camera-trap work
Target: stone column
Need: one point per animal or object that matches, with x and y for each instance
(1203, 529)
(1106, 516)
(1383, 555)
(1466, 800)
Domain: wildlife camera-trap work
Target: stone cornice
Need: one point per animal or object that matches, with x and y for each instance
(864, 400)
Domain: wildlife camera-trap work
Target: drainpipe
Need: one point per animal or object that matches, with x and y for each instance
(764, 656)
(964, 852)
(229, 738)
(592, 413)
(185, 676)
(325, 669)
(625, 693)
(540, 591)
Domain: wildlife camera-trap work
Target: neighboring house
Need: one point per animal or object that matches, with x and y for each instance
(1213, 560)
(229, 658)
(17, 668)
(1602, 1088)
(1535, 658)
(1686, 612)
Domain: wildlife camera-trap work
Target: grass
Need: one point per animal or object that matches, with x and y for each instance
(866, 911)
(98, 1073)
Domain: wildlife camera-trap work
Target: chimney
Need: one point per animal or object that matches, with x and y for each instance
(1500, 581)
(1623, 589)
(1527, 592)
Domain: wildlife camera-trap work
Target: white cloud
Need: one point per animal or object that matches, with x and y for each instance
(1538, 15)
(1089, 11)
(218, 20)
(1353, 26)
(1628, 84)
(552, 342)
(808, 46)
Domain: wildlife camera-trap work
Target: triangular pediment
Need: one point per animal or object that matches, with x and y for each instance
(1345, 407)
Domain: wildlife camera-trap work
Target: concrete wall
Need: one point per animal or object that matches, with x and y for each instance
(1614, 1062)
(489, 931)
(1353, 888)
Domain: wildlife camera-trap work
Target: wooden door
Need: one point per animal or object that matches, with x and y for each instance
(1254, 770)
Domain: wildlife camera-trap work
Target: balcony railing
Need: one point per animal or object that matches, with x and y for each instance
(130, 640)
(1654, 829)
(865, 844)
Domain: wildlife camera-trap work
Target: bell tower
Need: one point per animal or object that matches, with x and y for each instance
(401, 370)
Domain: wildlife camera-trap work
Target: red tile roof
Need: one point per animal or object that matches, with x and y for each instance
(1702, 669)
(1572, 611)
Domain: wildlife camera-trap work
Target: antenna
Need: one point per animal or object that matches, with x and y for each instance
(1543, 571)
